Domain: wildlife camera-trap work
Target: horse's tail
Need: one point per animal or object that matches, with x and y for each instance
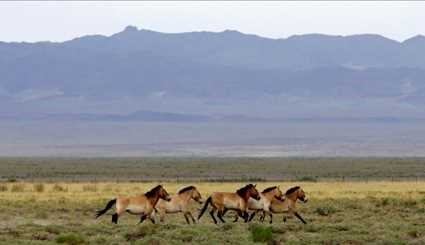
(108, 206)
(208, 201)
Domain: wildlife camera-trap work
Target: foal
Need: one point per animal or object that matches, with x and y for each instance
(222, 201)
(142, 205)
(288, 204)
(266, 198)
(179, 203)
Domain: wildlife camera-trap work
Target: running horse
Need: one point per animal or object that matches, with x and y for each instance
(142, 205)
(263, 205)
(288, 204)
(237, 201)
(179, 203)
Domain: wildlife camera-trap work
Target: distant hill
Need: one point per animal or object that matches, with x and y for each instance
(226, 74)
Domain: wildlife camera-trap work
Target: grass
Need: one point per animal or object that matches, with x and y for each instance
(376, 212)
(210, 169)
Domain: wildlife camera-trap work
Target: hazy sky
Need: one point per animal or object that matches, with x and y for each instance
(58, 21)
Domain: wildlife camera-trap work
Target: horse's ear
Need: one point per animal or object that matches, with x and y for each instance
(255, 185)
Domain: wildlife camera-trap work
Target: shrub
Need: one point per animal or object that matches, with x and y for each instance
(3, 188)
(17, 188)
(39, 187)
(41, 215)
(140, 233)
(54, 229)
(59, 188)
(307, 179)
(71, 238)
(325, 211)
(414, 234)
(227, 226)
(261, 234)
(89, 188)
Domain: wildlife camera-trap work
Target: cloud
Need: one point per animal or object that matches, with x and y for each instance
(37, 94)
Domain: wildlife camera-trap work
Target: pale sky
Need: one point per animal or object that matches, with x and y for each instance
(59, 21)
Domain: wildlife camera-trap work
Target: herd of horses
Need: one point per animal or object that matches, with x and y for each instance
(157, 202)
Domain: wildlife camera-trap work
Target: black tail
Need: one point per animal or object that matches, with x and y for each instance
(208, 201)
(108, 206)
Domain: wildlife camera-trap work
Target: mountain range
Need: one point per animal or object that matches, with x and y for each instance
(139, 74)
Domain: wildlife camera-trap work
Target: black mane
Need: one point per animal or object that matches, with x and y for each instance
(241, 191)
(292, 190)
(269, 189)
(152, 192)
(189, 188)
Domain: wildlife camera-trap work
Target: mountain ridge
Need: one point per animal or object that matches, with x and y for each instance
(219, 73)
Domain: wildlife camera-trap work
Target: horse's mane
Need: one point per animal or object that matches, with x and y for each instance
(241, 191)
(292, 190)
(269, 189)
(152, 192)
(188, 188)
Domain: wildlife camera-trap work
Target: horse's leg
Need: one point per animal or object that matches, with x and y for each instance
(212, 215)
(271, 217)
(284, 218)
(115, 218)
(299, 217)
(152, 219)
(191, 216)
(119, 210)
(142, 218)
(220, 216)
(187, 219)
(245, 216)
(252, 215)
(262, 216)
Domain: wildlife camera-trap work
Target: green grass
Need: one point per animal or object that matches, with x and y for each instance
(211, 169)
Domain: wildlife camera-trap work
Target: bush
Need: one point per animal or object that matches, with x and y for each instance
(59, 188)
(3, 188)
(17, 188)
(261, 234)
(306, 179)
(39, 187)
(90, 188)
(71, 238)
(325, 211)
(140, 233)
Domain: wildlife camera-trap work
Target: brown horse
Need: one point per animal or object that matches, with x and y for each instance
(237, 201)
(263, 205)
(142, 205)
(288, 204)
(179, 203)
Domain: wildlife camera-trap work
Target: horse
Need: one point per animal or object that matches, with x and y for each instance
(266, 197)
(142, 205)
(287, 205)
(237, 201)
(179, 203)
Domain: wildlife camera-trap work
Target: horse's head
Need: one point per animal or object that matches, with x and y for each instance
(196, 195)
(163, 194)
(301, 195)
(296, 193)
(253, 192)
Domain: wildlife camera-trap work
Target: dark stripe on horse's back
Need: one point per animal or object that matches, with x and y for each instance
(269, 189)
(188, 188)
(291, 190)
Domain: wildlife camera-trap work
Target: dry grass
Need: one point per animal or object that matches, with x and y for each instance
(338, 213)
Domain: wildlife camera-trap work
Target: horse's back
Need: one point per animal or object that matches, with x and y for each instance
(227, 199)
